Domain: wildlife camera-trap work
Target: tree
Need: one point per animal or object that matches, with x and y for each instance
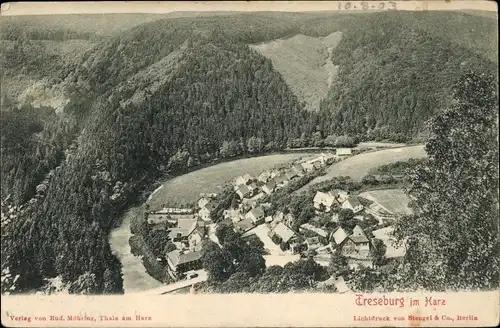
(378, 251)
(216, 261)
(455, 220)
(346, 219)
(345, 141)
(338, 265)
(317, 139)
(330, 140)
(255, 145)
(85, 284)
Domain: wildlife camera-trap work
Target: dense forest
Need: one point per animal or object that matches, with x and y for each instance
(175, 93)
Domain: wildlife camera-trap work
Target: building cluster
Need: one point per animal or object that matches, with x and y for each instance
(188, 227)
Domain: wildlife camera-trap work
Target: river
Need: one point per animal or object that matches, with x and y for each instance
(186, 187)
(135, 277)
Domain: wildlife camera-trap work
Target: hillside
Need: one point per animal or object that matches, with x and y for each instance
(167, 95)
(305, 63)
(124, 147)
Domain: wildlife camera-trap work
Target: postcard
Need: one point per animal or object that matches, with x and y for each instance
(250, 164)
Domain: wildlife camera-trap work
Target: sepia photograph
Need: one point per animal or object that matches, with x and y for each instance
(207, 149)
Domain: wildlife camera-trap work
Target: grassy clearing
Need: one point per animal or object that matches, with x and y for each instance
(394, 200)
(187, 188)
(359, 166)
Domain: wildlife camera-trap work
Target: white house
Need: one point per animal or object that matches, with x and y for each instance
(268, 188)
(243, 191)
(256, 215)
(323, 201)
(243, 180)
(205, 213)
(284, 232)
(353, 204)
(203, 201)
(264, 176)
(344, 151)
(362, 242)
(308, 167)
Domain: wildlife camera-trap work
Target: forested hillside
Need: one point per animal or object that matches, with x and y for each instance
(124, 147)
(394, 76)
(170, 94)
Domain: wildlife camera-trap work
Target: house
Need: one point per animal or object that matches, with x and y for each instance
(244, 225)
(344, 151)
(268, 219)
(264, 176)
(307, 167)
(309, 227)
(338, 237)
(242, 180)
(313, 243)
(188, 233)
(298, 169)
(285, 233)
(335, 217)
(205, 213)
(203, 201)
(180, 261)
(243, 191)
(323, 201)
(362, 243)
(353, 245)
(252, 186)
(275, 173)
(268, 188)
(256, 215)
(353, 204)
(281, 180)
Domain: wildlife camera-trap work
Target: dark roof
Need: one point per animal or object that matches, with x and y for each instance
(353, 201)
(244, 190)
(244, 225)
(257, 212)
(359, 239)
(177, 258)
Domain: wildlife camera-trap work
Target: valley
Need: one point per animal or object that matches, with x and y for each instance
(97, 109)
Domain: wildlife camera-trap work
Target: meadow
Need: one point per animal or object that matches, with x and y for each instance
(187, 188)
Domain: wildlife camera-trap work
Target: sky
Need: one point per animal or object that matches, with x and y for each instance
(47, 8)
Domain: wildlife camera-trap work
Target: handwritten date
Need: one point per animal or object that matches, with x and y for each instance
(367, 5)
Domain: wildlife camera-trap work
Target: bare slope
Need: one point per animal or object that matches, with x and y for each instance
(305, 63)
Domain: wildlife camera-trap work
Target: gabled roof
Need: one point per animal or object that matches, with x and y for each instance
(297, 168)
(256, 212)
(353, 201)
(210, 205)
(358, 235)
(187, 224)
(339, 236)
(284, 232)
(243, 189)
(177, 258)
(312, 240)
(271, 184)
(280, 179)
(325, 199)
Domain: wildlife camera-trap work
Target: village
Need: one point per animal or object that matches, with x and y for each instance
(344, 223)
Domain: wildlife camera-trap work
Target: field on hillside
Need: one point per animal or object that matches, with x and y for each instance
(393, 200)
(187, 188)
(358, 166)
(304, 62)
